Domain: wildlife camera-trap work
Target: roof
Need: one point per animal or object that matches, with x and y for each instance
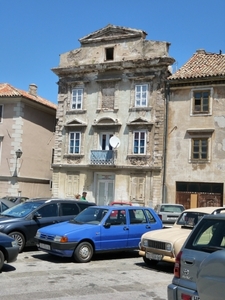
(112, 32)
(201, 64)
(207, 209)
(7, 90)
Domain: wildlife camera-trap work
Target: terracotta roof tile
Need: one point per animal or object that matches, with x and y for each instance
(201, 64)
(6, 90)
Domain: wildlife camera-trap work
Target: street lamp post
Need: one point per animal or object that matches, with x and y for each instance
(18, 155)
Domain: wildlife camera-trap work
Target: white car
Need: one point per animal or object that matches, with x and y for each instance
(165, 244)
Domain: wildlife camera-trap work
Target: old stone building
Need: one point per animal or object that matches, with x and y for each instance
(27, 125)
(110, 117)
(195, 164)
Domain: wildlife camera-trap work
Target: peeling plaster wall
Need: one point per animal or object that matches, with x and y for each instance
(179, 168)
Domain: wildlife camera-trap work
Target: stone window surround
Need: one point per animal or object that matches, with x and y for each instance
(77, 85)
(201, 134)
(209, 113)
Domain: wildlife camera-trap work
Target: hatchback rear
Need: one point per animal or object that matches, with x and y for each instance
(207, 237)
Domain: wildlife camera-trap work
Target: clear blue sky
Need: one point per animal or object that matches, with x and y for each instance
(34, 33)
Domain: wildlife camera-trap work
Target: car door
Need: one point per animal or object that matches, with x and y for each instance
(44, 216)
(115, 235)
(140, 221)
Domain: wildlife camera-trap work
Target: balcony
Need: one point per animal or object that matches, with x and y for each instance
(102, 157)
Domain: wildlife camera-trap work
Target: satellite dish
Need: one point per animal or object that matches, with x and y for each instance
(114, 142)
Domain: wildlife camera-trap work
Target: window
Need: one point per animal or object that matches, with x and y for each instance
(141, 93)
(77, 98)
(109, 53)
(1, 113)
(137, 216)
(200, 149)
(69, 209)
(201, 102)
(47, 211)
(139, 142)
(74, 142)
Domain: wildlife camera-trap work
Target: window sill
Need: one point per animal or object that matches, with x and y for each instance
(73, 156)
(143, 108)
(76, 112)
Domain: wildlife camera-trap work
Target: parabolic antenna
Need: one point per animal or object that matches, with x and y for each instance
(114, 142)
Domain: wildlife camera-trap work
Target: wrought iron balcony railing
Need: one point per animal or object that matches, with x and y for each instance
(102, 157)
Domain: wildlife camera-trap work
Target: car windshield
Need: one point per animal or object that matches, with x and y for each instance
(189, 218)
(21, 210)
(90, 215)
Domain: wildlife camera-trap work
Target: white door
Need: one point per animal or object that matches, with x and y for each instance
(105, 192)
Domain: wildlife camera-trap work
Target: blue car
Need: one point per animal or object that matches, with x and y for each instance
(98, 229)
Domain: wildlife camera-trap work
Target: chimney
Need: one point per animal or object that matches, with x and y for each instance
(33, 89)
(201, 51)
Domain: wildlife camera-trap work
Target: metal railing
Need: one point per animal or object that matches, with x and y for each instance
(102, 157)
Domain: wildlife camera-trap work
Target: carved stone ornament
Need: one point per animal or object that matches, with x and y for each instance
(139, 161)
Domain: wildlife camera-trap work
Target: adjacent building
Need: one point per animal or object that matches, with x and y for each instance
(110, 117)
(27, 125)
(195, 156)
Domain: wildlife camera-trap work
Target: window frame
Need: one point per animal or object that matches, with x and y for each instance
(141, 95)
(200, 146)
(201, 112)
(75, 98)
(74, 146)
(1, 112)
(139, 142)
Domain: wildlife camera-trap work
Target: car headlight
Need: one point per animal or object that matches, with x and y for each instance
(14, 243)
(144, 242)
(168, 247)
(38, 234)
(61, 239)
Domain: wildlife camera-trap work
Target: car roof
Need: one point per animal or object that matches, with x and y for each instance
(7, 202)
(46, 200)
(217, 216)
(120, 207)
(207, 209)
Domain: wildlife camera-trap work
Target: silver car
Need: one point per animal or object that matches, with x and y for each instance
(169, 213)
(206, 238)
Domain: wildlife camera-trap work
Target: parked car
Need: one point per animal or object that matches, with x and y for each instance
(211, 273)
(16, 199)
(23, 220)
(169, 213)
(165, 244)
(194, 269)
(9, 249)
(120, 203)
(5, 204)
(98, 229)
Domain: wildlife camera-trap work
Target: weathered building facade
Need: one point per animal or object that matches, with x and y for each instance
(27, 125)
(110, 130)
(195, 157)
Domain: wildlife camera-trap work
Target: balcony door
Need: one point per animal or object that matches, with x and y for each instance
(105, 189)
(104, 141)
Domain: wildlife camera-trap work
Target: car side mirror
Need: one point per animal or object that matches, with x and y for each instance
(107, 225)
(36, 215)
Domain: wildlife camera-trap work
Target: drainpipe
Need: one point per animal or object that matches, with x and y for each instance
(167, 98)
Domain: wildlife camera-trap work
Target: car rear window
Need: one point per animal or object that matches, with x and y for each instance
(208, 237)
(172, 208)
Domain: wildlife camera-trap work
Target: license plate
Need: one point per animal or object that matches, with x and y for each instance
(45, 246)
(153, 256)
(195, 298)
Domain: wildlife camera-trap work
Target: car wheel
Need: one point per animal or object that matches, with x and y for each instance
(2, 260)
(19, 238)
(83, 253)
(150, 262)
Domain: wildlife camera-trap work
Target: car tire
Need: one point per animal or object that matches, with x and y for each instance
(83, 252)
(19, 237)
(2, 260)
(150, 262)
